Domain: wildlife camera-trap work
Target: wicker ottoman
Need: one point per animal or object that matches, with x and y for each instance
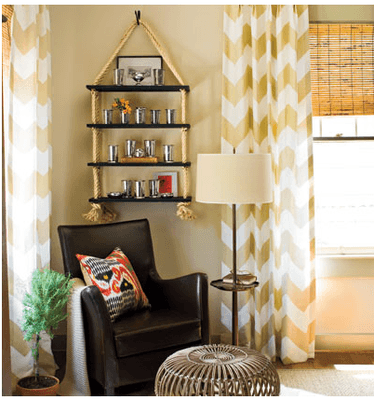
(222, 370)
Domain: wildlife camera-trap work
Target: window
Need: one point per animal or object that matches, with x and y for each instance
(344, 190)
(342, 72)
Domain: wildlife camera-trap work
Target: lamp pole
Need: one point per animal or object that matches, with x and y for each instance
(235, 333)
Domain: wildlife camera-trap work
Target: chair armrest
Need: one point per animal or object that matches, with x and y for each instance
(186, 294)
(99, 336)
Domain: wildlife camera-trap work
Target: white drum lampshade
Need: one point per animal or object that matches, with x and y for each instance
(233, 178)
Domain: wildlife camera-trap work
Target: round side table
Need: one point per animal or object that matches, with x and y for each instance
(222, 370)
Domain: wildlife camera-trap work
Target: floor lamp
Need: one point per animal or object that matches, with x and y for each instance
(234, 179)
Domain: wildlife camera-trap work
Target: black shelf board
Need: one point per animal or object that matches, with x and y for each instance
(230, 287)
(159, 164)
(144, 200)
(138, 126)
(138, 88)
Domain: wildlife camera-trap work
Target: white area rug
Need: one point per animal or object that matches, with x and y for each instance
(345, 380)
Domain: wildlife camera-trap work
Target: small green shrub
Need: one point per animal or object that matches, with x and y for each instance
(44, 307)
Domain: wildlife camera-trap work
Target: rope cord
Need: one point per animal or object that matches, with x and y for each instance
(161, 51)
(99, 212)
(106, 67)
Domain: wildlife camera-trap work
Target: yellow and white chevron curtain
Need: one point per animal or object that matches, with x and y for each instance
(28, 172)
(266, 108)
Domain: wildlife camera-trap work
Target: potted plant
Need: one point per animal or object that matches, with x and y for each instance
(43, 309)
(124, 108)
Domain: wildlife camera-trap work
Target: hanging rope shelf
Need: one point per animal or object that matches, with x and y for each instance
(99, 211)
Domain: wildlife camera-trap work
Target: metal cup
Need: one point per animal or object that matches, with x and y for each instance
(153, 188)
(158, 77)
(168, 153)
(108, 116)
(139, 189)
(170, 115)
(149, 148)
(118, 76)
(155, 116)
(140, 115)
(127, 188)
(112, 153)
(124, 118)
(130, 148)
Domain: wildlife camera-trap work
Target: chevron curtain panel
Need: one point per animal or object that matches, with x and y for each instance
(266, 108)
(28, 177)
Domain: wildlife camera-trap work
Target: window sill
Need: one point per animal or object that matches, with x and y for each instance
(369, 256)
(352, 266)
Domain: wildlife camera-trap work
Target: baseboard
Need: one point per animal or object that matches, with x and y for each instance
(352, 342)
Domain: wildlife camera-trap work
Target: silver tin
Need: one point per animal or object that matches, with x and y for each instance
(140, 115)
(139, 189)
(171, 114)
(158, 77)
(108, 116)
(155, 116)
(153, 188)
(149, 148)
(168, 150)
(118, 76)
(126, 188)
(130, 148)
(112, 153)
(125, 118)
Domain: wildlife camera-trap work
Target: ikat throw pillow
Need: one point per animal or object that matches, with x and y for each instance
(116, 280)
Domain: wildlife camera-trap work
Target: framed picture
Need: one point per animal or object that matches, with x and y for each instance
(168, 182)
(138, 69)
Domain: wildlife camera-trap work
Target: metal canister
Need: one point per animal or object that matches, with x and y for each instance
(153, 188)
(140, 115)
(130, 148)
(170, 115)
(149, 148)
(126, 188)
(155, 116)
(108, 116)
(113, 153)
(139, 189)
(168, 153)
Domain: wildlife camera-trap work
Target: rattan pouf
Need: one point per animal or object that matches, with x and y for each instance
(217, 370)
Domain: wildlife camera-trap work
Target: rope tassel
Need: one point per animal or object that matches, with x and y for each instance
(99, 213)
(184, 213)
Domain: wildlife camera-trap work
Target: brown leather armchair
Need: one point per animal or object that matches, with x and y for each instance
(131, 349)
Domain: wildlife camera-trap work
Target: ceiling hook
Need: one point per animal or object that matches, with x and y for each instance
(137, 15)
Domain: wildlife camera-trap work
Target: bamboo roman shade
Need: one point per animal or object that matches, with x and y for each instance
(342, 69)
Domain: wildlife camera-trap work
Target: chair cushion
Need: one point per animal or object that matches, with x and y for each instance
(149, 330)
(116, 280)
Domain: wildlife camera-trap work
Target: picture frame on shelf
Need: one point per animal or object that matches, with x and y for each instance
(168, 183)
(140, 64)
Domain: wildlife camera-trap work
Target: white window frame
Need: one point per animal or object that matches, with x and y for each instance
(319, 137)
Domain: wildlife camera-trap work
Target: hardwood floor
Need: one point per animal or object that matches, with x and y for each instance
(327, 360)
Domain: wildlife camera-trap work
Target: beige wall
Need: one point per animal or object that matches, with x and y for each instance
(342, 13)
(83, 38)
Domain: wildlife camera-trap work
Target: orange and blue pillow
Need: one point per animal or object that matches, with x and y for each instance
(116, 279)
